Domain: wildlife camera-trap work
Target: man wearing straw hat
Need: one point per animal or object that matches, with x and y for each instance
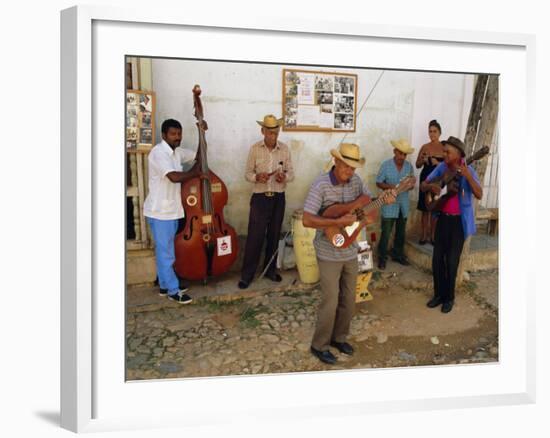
(269, 168)
(337, 266)
(391, 172)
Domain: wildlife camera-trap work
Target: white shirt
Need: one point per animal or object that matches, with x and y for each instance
(164, 198)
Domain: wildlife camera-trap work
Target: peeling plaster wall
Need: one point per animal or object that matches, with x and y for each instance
(235, 95)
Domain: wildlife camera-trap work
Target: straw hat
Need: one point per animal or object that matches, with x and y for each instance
(350, 154)
(402, 145)
(270, 122)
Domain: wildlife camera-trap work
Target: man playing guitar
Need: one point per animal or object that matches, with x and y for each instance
(456, 221)
(337, 264)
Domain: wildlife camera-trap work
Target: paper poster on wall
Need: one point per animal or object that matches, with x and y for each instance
(306, 89)
(326, 120)
(319, 100)
(308, 115)
(140, 119)
(224, 245)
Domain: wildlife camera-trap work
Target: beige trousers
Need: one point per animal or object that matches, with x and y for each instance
(338, 282)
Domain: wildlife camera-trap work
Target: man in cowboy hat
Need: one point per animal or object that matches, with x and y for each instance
(337, 266)
(456, 220)
(269, 168)
(391, 172)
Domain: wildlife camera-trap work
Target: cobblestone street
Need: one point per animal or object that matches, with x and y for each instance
(271, 332)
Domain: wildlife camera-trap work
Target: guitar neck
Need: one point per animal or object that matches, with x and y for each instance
(375, 205)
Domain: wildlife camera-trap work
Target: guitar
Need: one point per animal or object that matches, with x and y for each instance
(449, 179)
(363, 207)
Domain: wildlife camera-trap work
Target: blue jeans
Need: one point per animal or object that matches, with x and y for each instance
(164, 232)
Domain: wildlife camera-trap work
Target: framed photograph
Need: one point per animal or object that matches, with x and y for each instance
(317, 100)
(146, 135)
(146, 120)
(140, 118)
(96, 394)
(132, 134)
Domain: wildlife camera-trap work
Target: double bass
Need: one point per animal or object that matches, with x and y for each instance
(207, 245)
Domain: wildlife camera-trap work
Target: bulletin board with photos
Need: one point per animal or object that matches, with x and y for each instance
(140, 119)
(319, 101)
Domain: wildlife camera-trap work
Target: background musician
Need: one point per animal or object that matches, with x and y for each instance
(337, 266)
(391, 172)
(269, 168)
(456, 220)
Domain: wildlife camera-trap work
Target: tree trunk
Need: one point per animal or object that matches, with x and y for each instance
(475, 113)
(488, 124)
(482, 124)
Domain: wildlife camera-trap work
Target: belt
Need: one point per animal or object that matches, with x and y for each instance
(449, 214)
(268, 194)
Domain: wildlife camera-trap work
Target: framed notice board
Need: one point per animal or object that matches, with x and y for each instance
(319, 101)
(140, 118)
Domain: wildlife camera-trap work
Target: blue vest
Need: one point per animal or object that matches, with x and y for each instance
(464, 197)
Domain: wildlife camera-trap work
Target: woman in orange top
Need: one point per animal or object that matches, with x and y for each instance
(429, 156)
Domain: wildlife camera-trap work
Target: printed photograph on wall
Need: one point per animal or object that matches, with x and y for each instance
(314, 91)
(290, 218)
(139, 115)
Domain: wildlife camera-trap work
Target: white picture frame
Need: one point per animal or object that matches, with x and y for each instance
(94, 396)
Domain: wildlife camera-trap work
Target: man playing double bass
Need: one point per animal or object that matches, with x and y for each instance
(269, 168)
(163, 208)
(338, 266)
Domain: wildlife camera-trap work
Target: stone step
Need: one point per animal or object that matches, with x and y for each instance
(140, 267)
(483, 254)
(145, 298)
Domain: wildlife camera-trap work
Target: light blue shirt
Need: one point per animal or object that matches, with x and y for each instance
(389, 174)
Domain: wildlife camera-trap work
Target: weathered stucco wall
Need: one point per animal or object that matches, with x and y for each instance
(235, 95)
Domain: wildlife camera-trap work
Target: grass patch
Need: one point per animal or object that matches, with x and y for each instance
(469, 286)
(292, 294)
(217, 306)
(248, 317)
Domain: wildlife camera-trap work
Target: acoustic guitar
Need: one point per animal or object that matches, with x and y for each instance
(450, 180)
(363, 207)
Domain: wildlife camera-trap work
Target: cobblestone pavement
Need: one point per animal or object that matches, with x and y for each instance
(271, 333)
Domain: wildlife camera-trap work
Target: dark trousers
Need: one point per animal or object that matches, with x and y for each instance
(397, 250)
(264, 223)
(449, 240)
